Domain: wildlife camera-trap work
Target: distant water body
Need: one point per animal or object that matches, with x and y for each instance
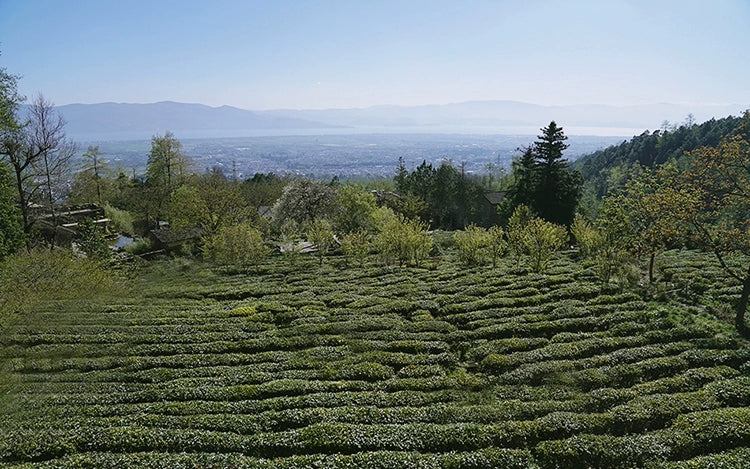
(626, 132)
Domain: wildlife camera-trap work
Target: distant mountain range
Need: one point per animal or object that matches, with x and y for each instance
(129, 121)
(115, 121)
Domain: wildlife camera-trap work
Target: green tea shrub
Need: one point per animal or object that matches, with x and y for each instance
(732, 459)
(601, 451)
(733, 392)
(658, 411)
(709, 431)
(421, 371)
(496, 364)
(366, 371)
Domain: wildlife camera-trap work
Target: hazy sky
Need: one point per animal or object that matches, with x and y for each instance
(330, 54)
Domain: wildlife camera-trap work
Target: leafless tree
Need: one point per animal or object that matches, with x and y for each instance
(39, 154)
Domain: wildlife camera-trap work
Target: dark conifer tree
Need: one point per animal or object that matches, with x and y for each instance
(542, 180)
(558, 190)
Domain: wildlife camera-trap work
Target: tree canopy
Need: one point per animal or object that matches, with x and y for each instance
(542, 180)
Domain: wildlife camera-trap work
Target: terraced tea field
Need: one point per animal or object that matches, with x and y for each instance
(446, 366)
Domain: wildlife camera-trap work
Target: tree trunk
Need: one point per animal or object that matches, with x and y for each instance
(651, 267)
(24, 205)
(742, 328)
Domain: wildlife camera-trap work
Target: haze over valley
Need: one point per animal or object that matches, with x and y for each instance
(345, 156)
(359, 143)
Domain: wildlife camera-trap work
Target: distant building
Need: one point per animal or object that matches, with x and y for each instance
(168, 240)
(62, 226)
(492, 201)
(265, 211)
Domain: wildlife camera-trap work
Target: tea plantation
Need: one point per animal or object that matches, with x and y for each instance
(301, 366)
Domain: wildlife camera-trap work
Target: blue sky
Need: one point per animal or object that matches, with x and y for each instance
(342, 54)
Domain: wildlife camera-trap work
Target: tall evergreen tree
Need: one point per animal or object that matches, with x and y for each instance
(558, 190)
(542, 180)
(521, 191)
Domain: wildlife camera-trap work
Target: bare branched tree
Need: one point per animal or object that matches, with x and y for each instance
(47, 131)
(39, 154)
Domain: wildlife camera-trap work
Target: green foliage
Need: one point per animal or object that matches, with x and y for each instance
(240, 246)
(403, 240)
(409, 205)
(166, 170)
(208, 202)
(29, 280)
(541, 239)
(320, 234)
(713, 194)
(185, 209)
(11, 225)
(445, 195)
(290, 237)
(263, 190)
(120, 220)
(141, 246)
(353, 370)
(167, 166)
(542, 180)
(356, 245)
(304, 200)
(496, 243)
(615, 237)
(517, 224)
(605, 170)
(91, 184)
(91, 241)
(472, 244)
(355, 209)
(588, 238)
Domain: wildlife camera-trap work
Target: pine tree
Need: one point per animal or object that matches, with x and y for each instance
(558, 189)
(542, 180)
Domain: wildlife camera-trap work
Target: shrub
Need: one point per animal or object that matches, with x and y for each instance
(366, 371)
(356, 245)
(403, 240)
(541, 239)
(471, 244)
(240, 246)
(139, 247)
(320, 234)
(29, 279)
(90, 240)
(516, 226)
(586, 236)
(121, 220)
(496, 363)
(496, 243)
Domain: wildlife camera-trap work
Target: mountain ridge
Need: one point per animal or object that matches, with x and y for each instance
(194, 120)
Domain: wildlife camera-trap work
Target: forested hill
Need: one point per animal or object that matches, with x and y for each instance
(654, 148)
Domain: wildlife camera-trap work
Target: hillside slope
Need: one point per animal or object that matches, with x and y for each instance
(654, 148)
(299, 366)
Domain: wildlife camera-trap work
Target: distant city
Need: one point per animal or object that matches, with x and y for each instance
(366, 156)
(359, 143)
